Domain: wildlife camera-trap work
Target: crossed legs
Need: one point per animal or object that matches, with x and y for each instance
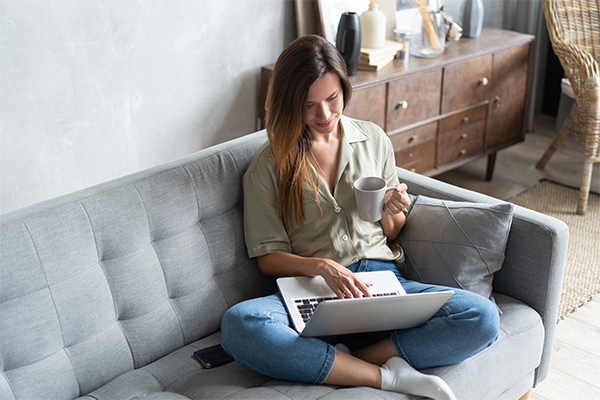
(257, 333)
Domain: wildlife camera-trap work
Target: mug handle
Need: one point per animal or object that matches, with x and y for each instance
(387, 190)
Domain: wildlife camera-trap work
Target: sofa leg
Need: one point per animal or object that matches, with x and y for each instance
(526, 395)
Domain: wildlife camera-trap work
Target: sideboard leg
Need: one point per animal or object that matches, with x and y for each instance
(490, 166)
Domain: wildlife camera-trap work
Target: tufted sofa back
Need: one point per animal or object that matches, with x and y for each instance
(111, 278)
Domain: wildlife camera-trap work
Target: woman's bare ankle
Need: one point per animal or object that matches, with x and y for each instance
(348, 370)
(377, 353)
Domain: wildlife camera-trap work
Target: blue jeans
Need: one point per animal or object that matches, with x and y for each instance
(259, 335)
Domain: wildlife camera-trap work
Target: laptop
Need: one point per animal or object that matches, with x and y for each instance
(316, 311)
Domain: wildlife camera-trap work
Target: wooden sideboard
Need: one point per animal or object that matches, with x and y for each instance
(444, 112)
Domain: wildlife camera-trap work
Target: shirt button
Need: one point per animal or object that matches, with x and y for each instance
(345, 238)
(355, 259)
(337, 210)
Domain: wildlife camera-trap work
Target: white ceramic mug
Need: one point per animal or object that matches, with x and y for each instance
(370, 193)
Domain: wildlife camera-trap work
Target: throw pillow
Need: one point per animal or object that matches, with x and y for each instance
(457, 244)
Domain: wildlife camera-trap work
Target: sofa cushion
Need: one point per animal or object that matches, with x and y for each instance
(509, 362)
(457, 244)
(507, 366)
(179, 376)
(111, 278)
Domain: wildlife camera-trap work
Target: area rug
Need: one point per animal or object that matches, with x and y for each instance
(582, 274)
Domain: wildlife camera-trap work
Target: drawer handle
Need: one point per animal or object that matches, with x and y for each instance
(464, 136)
(413, 138)
(402, 104)
(466, 120)
(411, 155)
(497, 101)
(484, 81)
(463, 152)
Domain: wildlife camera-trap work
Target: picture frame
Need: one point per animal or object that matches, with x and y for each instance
(307, 21)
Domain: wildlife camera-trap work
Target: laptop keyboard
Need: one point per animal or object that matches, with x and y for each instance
(307, 307)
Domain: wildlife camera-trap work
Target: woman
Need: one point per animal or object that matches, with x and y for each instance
(300, 218)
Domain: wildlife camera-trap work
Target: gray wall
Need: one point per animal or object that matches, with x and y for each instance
(95, 89)
(492, 15)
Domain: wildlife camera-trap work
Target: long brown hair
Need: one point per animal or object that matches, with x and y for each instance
(301, 64)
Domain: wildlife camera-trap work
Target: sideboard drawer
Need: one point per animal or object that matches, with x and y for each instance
(368, 104)
(413, 99)
(467, 83)
(416, 145)
(415, 153)
(466, 120)
(414, 137)
(421, 165)
(461, 135)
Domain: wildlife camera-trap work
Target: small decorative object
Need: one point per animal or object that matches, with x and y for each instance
(452, 29)
(348, 40)
(372, 23)
(403, 37)
(428, 36)
(455, 32)
(472, 18)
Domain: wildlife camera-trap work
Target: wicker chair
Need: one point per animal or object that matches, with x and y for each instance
(574, 30)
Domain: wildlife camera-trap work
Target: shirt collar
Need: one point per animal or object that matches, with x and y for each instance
(351, 132)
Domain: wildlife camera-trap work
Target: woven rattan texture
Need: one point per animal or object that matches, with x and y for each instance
(574, 30)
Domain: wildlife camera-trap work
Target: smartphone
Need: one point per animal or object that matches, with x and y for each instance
(212, 356)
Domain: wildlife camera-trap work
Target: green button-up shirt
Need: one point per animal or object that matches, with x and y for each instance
(338, 233)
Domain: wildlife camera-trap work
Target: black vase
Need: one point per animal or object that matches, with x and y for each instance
(472, 18)
(348, 40)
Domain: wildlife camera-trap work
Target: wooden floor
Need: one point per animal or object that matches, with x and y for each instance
(575, 367)
(515, 166)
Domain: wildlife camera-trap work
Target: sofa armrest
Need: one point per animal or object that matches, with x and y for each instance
(535, 255)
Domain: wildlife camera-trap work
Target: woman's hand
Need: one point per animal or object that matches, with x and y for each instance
(397, 200)
(344, 283)
(393, 218)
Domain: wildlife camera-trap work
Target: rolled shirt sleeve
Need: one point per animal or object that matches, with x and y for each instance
(264, 231)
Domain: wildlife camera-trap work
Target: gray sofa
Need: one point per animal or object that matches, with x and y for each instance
(107, 292)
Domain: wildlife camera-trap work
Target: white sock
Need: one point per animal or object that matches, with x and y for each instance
(398, 376)
(342, 347)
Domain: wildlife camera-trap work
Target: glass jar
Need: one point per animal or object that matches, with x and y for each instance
(428, 37)
(404, 38)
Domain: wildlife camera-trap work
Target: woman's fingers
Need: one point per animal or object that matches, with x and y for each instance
(363, 288)
(344, 283)
(397, 200)
(355, 288)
